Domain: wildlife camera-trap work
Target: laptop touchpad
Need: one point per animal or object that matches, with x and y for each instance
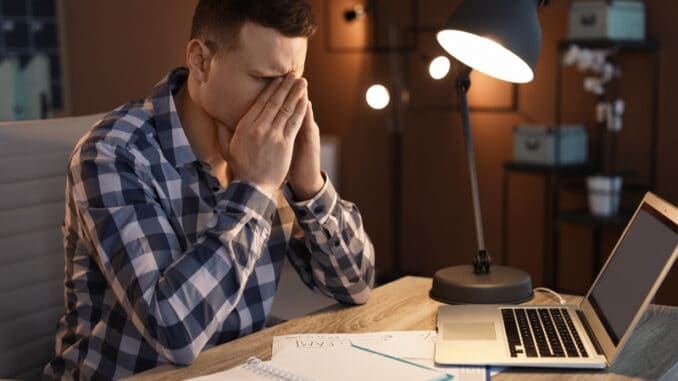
(469, 331)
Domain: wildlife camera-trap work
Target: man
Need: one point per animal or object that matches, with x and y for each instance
(181, 207)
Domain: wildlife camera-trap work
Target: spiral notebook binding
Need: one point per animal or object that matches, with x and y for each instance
(261, 368)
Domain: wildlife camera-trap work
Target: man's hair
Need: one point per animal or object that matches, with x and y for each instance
(219, 21)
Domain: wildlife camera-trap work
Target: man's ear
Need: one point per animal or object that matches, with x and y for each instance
(198, 59)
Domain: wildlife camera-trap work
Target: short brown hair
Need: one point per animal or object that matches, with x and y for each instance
(220, 21)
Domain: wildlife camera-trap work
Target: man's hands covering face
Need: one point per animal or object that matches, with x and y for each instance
(305, 177)
(262, 147)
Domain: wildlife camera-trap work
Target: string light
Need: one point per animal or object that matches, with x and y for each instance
(377, 97)
(439, 67)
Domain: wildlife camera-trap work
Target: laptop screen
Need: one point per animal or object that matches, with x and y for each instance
(629, 276)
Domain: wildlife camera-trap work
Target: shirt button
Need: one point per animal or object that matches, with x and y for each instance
(318, 209)
(335, 242)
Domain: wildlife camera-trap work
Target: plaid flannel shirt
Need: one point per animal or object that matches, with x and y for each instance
(162, 262)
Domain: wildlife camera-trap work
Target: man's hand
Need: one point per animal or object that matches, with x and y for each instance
(260, 149)
(305, 177)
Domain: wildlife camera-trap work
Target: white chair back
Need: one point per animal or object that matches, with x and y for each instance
(33, 159)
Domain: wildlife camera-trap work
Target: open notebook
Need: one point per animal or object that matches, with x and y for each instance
(338, 364)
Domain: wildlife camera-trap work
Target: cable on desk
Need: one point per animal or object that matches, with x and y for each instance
(557, 295)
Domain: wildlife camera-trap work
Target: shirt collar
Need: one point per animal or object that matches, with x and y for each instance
(171, 135)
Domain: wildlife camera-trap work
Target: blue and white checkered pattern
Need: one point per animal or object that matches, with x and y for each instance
(163, 262)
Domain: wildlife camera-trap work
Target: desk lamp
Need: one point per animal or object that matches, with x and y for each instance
(501, 38)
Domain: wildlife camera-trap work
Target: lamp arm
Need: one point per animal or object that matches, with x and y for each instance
(482, 261)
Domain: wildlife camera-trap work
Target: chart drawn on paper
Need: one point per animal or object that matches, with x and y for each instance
(414, 346)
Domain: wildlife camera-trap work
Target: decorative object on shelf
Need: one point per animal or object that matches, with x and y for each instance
(605, 19)
(604, 188)
(536, 144)
(603, 194)
(502, 39)
(595, 61)
(610, 113)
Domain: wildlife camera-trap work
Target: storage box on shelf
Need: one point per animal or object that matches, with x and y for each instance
(566, 145)
(600, 19)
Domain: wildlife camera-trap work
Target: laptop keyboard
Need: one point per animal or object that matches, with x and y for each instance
(541, 332)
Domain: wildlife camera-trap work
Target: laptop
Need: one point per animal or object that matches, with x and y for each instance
(588, 335)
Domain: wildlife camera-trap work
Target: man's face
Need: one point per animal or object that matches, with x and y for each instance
(237, 75)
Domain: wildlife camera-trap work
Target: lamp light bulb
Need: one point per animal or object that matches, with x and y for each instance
(377, 97)
(485, 55)
(439, 67)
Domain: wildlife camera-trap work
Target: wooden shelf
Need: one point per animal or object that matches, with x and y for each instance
(627, 45)
(576, 169)
(583, 217)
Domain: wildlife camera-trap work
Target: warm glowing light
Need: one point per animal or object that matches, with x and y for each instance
(485, 55)
(439, 67)
(377, 97)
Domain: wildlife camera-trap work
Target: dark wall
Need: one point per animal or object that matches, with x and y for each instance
(116, 51)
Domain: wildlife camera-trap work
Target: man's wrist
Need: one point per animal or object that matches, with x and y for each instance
(248, 197)
(307, 191)
(267, 189)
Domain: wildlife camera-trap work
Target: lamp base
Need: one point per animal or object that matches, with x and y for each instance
(502, 285)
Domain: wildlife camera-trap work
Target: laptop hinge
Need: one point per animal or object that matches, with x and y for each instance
(589, 331)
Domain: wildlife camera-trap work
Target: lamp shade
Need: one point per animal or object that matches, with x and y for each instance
(501, 38)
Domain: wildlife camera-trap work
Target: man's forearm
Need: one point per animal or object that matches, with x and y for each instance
(335, 250)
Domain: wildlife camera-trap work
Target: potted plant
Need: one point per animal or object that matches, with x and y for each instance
(603, 188)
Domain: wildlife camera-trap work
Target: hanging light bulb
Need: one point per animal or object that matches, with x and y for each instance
(439, 67)
(377, 97)
(356, 12)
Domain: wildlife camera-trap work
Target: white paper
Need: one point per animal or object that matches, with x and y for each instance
(414, 346)
(341, 363)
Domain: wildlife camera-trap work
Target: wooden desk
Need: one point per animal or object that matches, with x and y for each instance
(405, 305)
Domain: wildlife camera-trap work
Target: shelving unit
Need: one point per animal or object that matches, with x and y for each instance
(554, 174)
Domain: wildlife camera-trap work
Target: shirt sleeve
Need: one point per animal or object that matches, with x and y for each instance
(330, 249)
(176, 296)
